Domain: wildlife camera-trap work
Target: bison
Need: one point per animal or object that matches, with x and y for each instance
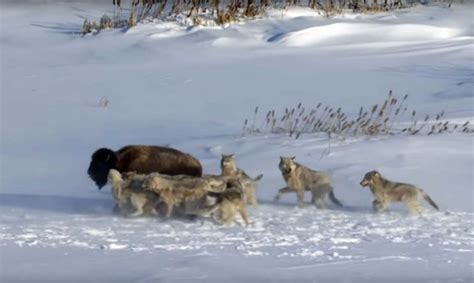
(142, 159)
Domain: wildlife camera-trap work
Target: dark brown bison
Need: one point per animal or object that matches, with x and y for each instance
(142, 159)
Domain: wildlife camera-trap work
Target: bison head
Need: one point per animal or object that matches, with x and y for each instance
(102, 161)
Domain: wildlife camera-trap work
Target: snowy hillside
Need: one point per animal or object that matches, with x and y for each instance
(192, 88)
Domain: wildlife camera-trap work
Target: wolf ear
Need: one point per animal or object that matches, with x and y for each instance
(232, 155)
(376, 173)
(293, 158)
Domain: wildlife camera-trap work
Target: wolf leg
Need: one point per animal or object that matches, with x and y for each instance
(281, 192)
(137, 203)
(243, 214)
(320, 203)
(251, 195)
(300, 198)
(414, 207)
(378, 206)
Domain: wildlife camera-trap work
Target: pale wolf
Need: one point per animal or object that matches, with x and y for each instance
(300, 179)
(229, 168)
(176, 190)
(386, 191)
(131, 199)
(229, 203)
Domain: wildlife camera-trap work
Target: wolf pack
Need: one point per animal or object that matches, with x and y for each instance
(162, 181)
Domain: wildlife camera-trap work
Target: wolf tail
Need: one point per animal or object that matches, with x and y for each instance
(429, 200)
(257, 178)
(334, 199)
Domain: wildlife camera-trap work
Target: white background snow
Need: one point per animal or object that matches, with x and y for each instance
(191, 88)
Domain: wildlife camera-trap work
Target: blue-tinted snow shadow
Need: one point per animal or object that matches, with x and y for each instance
(64, 28)
(57, 204)
(99, 206)
(330, 206)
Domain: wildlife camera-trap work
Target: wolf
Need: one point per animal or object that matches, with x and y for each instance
(300, 178)
(176, 190)
(131, 199)
(229, 168)
(386, 192)
(229, 202)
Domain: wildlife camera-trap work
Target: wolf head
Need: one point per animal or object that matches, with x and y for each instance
(102, 161)
(369, 178)
(227, 161)
(287, 165)
(152, 182)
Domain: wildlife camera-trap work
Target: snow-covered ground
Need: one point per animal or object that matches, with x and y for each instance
(191, 88)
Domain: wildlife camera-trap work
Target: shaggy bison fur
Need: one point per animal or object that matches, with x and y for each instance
(142, 159)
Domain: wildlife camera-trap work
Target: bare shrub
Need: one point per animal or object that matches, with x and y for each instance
(390, 117)
(86, 27)
(225, 12)
(105, 22)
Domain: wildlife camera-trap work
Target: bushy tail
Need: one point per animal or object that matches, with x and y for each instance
(334, 199)
(429, 200)
(257, 178)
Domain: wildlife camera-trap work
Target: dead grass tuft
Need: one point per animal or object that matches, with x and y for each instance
(201, 12)
(390, 117)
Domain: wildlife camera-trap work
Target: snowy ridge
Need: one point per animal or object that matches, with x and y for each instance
(335, 34)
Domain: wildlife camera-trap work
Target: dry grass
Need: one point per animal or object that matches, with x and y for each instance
(391, 117)
(199, 12)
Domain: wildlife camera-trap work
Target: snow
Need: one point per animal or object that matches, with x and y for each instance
(192, 88)
(335, 34)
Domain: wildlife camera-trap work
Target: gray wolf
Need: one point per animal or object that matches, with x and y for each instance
(300, 178)
(386, 192)
(229, 168)
(129, 195)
